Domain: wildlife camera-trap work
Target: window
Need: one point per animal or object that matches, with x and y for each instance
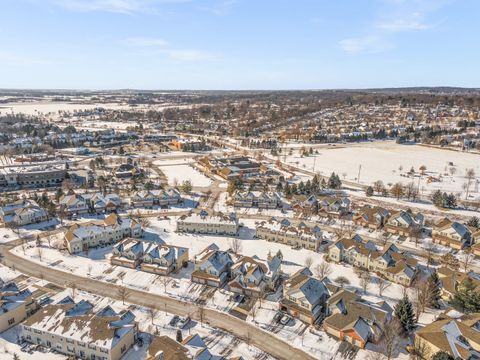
(11, 321)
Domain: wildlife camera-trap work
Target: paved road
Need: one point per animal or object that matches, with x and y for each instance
(257, 337)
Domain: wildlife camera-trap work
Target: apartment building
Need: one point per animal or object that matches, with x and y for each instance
(22, 212)
(205, 223)
(150, 198)
(84, 235)
(162, 259)
(257, 199)
(36, 176)
(15, 305)
(284, 232)
(388, 262)
(77, 330)
(96, 203)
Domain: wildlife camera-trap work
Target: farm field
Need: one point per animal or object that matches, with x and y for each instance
(390, 162)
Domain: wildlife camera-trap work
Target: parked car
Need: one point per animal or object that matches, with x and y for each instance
(278, 316)
(174, 320)
(183, 322)
(285, 320)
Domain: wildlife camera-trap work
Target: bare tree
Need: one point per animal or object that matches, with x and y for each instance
(254, 312)
(416, 234)
(201, 313)
(429, 251)
(342, 281)
(397, 190)
(123, 293)
(422, 296)
(389, 341)
(365, 278)
(152, 314)
(323, 270)
(39, 253)
(73, 290)
(467, 259)
(236, 245)
(382, 285)
(470, 175)
(165, 280)
(308, 262)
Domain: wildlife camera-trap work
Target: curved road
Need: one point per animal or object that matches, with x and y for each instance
(257, 337)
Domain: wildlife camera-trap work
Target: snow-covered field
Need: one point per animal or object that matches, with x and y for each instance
(177, 174)
(383, 160)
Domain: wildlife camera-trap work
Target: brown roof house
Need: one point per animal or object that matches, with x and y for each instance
(458, 337)
(354, 320)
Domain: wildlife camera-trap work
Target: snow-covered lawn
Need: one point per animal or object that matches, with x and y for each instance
(177, 174)
(382, 161)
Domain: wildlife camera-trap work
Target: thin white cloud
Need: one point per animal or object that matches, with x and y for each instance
(411, 22)
(369, 43)
(114, 6)
(161, 46)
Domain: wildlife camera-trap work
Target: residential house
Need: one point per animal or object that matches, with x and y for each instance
(22, 212)
(73, 204)
(304, 297)
(212, 267)
(372, 217)
(15, 305)
(84, 235)
(390, 262)
(205, 223)
(452, 234)
(129, 252)
(451, 280)
(354, 320)
(333, 207)
(164, 259)
(252, 276)
(404, 223)
(459, 337)
(76, 330)
(283, 232)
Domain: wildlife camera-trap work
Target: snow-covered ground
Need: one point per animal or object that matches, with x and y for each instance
(177, 174)
(217, 341)
(383, 160)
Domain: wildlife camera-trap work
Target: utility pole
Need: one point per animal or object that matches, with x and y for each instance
(359, 169)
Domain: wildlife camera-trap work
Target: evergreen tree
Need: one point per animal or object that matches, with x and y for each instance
(435, 287)
(442, 355)
(451, 201)
(405, 314)
(437, 198)
(466, 299)
(369, 191)
(279, 187)
(474, 222)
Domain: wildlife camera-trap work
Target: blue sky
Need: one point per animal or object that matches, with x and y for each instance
(238, 44)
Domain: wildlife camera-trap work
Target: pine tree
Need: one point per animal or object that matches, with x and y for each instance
(466, 299)
(442, 355)
(405, 314)
(435, 287)
(437, 198)
(369, 191)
